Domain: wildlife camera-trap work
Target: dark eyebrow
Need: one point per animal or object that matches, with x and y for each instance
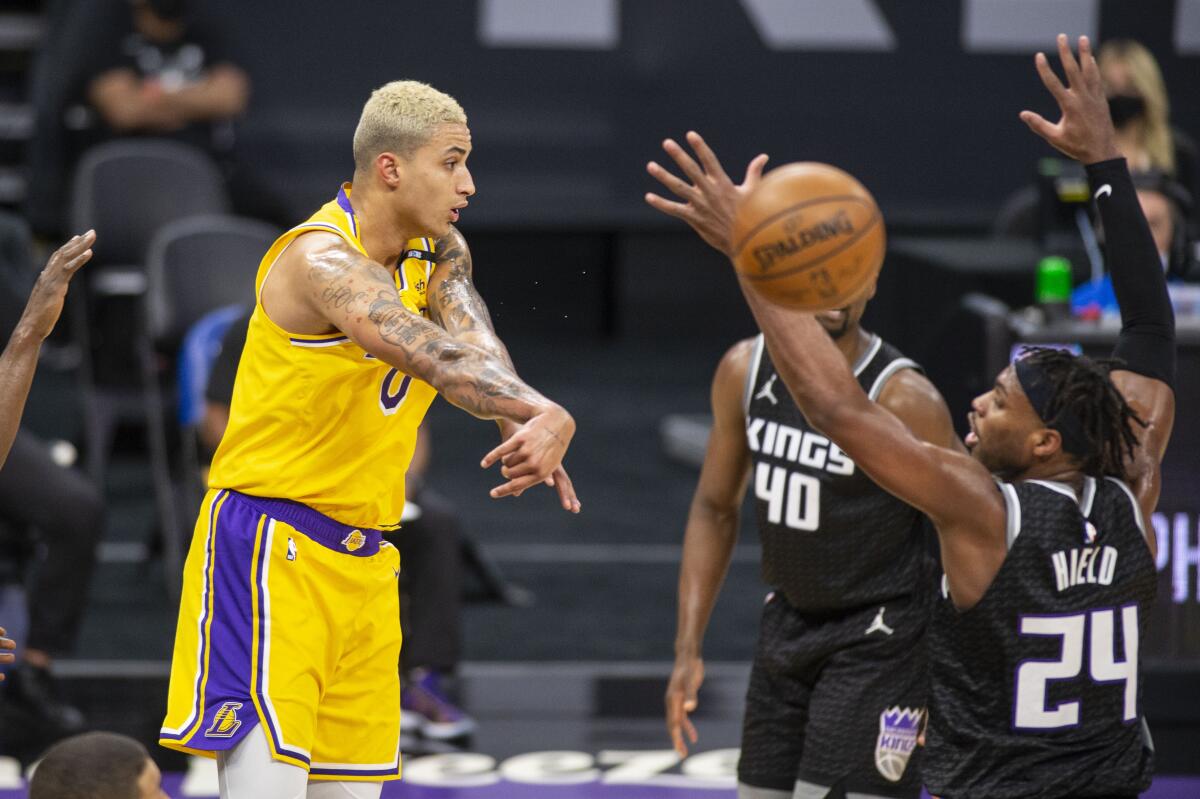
(454, 148)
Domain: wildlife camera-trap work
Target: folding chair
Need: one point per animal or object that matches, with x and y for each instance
(193, 266)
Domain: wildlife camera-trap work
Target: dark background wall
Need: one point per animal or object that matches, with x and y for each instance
(561, 135)
(563, 128)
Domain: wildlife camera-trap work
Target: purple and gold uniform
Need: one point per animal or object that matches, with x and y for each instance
(289, 613)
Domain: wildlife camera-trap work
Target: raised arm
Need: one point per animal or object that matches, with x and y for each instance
(326, 282)
(712, 529)
(20, 357)
(458, 308)
(955, 491)
(950, 487)
(1146, 345)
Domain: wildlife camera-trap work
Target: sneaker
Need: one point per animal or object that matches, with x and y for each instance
(33, 692)
(429, 711)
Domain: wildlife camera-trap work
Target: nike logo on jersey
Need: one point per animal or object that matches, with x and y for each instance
(1103, 191)
(1078, 566)
(768, 391)
(798, 446)
(878, 625)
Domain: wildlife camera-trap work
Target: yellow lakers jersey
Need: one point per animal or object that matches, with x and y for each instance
(315, 418)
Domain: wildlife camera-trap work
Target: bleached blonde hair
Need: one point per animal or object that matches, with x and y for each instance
(400, 117)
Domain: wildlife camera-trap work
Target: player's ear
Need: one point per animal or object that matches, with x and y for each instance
(389, 168)
(1046, 443)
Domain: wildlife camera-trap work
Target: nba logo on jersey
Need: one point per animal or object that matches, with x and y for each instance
(354, 541)
(898, 728)
(225, 722)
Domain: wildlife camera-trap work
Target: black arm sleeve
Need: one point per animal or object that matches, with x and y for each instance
(1147, 340)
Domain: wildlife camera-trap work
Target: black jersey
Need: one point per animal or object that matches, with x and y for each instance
(1036, 690)
(832, 539)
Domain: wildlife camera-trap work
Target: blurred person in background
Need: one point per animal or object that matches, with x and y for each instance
(1137, 101)
(168, 79)
(1167, 207)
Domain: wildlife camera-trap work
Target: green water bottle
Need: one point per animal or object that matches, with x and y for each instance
(1053, 291)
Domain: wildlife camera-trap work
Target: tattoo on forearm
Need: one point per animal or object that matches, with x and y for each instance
(456, 305)
(477, 379)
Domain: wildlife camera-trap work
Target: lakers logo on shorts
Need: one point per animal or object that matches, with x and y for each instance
(225, 722)
(354, 541)
(898, 728)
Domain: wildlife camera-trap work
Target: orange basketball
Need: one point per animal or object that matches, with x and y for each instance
(809, 236)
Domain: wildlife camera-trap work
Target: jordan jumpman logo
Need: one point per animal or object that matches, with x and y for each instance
(878, 624)
(767, 391)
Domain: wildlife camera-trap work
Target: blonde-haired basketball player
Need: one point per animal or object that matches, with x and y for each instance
(285, 664)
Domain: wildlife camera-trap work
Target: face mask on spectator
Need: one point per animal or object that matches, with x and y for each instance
(1125, 108)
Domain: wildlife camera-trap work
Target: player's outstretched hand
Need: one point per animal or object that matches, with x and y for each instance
(1085, 131)
(6, 644)
(681, 699)
(711, 198)
(46, 300)
(534, 454)
(559, 480)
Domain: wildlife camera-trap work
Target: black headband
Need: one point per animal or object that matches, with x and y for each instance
(1040, 391)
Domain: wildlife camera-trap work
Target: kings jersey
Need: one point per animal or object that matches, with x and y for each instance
(1037, 688)
(832, 539)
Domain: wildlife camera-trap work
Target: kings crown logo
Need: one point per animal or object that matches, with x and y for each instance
(354, 541)
(898, 730)
(225, 721)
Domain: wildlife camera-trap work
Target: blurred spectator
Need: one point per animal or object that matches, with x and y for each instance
(1166, 206)
(430, 543)
(167, 79)
(97, 765)
(1140, 110)
(129, 68)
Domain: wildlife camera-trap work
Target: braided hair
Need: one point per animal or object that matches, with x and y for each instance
(1081, 387)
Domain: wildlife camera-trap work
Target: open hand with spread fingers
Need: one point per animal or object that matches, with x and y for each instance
(710, 200)
(1085, 131)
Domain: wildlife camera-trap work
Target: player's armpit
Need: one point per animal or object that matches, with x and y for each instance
(915, 401)
(454, 302)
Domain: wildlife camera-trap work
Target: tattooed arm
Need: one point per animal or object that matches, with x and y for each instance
(324, 283)
(456, 305)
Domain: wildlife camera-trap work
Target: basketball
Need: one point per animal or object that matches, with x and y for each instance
(809, 236)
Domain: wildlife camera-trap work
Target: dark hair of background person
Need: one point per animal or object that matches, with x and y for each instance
(95, 765)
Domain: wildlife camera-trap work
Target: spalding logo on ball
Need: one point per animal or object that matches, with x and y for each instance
(810, 236)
